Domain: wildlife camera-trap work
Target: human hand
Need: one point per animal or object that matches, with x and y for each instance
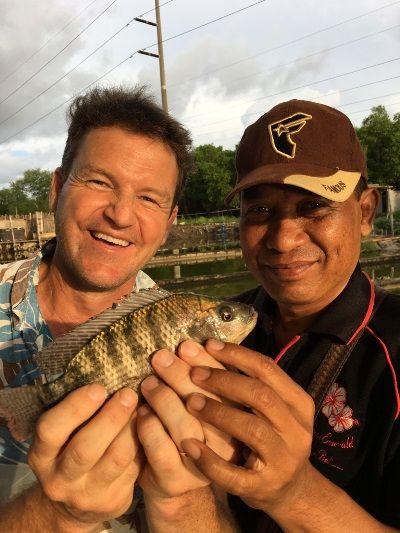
(164, 422)
(275, 423)
(88, 472)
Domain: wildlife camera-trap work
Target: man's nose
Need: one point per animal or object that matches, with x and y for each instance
(286, 234)
(121, 210)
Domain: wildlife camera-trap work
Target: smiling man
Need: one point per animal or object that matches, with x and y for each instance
(115, 197)
(317, 405)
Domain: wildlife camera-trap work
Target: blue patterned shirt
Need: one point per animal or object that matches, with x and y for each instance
(23, 332)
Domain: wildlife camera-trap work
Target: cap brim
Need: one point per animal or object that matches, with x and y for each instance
(334, 184)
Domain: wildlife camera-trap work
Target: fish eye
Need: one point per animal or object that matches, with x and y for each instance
(226, 313)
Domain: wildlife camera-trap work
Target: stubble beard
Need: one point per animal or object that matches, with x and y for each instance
(78, 278)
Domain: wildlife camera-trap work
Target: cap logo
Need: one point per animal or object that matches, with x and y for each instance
(280, 133)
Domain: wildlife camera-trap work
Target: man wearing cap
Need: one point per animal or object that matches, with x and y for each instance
(316, 403)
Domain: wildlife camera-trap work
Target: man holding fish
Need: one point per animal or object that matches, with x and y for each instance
(115, 197)
(316, 407)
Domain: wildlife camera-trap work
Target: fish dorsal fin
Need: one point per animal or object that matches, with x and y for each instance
(54, 358)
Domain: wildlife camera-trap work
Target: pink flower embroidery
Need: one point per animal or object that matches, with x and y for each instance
(334, 401)
(342, 420)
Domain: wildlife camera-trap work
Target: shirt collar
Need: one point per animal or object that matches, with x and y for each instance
(342, 319)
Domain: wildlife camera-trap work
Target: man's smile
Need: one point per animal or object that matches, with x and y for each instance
(109, 239)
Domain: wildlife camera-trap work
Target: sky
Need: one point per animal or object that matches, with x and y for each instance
(226, 63)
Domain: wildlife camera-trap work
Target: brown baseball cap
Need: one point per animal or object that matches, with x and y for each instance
(301, 143)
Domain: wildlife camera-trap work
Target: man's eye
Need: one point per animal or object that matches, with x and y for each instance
(313, 206)
(98, 184)
(148, 199)
(257, 213)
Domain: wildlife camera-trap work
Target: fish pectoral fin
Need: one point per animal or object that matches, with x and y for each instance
(54, 358)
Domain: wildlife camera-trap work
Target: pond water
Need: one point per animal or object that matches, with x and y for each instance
(234, 286)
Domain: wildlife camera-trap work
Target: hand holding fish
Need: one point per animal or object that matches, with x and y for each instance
(277, 428)
(165, 422)
(88, 477)
(173, 487)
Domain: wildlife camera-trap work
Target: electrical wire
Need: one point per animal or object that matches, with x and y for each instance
(319, 98)
(46, 43)
(330, 78)
(278, 47)
(123, 61)
(77, 65)
(58, 53)
(303, 58)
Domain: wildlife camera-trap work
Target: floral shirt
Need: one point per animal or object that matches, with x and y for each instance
(23, 332)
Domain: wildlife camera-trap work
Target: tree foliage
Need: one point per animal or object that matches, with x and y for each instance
(27, 194)
(380, 138)
(211, 180)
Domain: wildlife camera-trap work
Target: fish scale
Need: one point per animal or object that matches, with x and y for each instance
(115, 348)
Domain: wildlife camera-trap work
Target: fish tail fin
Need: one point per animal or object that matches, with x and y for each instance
(21, 407)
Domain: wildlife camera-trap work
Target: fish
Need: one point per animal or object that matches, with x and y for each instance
(115, 347)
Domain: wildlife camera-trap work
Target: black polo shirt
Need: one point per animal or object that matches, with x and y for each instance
(356, 440)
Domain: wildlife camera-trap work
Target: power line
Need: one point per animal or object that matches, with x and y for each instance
(319, 98)
(309, 84)
(207, 24)
(319, 52)
(287, 43)
(76, 66)
(123, 61)
(46, 43)
(57, 54)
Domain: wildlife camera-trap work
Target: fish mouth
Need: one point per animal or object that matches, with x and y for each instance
(251, 322)
(109, 239)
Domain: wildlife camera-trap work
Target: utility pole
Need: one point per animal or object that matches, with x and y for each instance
(163, 84)
(160, 54)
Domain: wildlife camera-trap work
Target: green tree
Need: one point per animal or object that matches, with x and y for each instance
(211, 180)
(27, 194)
(380, 136)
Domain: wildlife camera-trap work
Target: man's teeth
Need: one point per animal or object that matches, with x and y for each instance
(108, 238)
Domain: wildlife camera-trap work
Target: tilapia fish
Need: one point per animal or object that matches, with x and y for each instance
(115, 347)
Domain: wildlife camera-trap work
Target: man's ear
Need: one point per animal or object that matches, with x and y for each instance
(368, 202)
(170, 221)
(55, 188)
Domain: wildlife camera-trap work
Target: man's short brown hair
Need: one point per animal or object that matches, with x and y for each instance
(133, 110)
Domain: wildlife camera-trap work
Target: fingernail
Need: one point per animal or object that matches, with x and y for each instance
(191, 448)
(144, 410)
(191, 349)
(96, 392)
(200, 373)
(127, 397)
(150, 383)
(215, 345)
(196, 402)
(163, 358)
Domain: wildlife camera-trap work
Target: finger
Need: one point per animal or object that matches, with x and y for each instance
(233, 479)
(194, 354)
(89, 444)
(264, 368)
(163, 456)
(57, 424)
(248, 392)
(175, 372)
(171, 411)
(255, 432)
(119, 458)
